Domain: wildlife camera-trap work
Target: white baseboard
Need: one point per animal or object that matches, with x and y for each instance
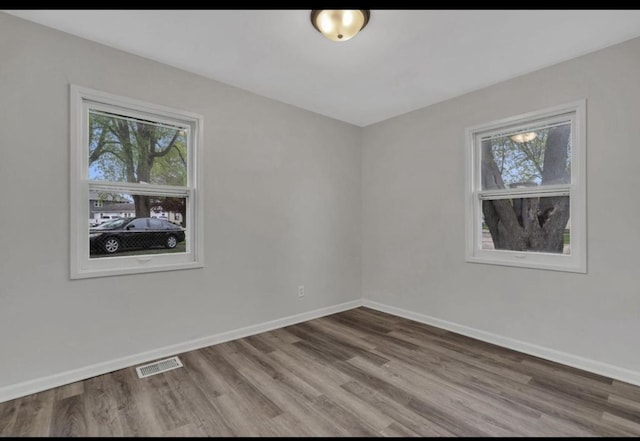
(586, 364)
(37, 385)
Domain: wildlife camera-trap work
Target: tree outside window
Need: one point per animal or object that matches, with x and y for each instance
(526, 190)
(140, 162)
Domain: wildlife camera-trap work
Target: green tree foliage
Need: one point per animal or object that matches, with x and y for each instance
(131, 150)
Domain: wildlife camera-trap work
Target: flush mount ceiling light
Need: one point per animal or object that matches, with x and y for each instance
(339, 24)
(524, 137)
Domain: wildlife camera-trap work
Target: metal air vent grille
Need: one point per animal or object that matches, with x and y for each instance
(157, 367)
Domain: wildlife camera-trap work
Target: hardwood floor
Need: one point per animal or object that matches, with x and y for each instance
(356, 373)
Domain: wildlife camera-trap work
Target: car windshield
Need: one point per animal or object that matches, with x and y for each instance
(112, 225)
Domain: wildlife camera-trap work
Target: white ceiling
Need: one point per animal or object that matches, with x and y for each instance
(402, 60)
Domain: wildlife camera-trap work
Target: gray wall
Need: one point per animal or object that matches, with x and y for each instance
(282, 209)
(413, 215)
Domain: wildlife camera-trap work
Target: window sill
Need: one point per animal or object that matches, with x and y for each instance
(90, 272)
(541, 261)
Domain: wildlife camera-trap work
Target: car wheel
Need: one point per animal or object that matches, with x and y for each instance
(111, 245)
(171, 242)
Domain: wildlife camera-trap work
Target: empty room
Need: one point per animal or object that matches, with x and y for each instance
(320, 223)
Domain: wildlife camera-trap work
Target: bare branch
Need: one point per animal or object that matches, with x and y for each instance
(166, 150)
(95, 154)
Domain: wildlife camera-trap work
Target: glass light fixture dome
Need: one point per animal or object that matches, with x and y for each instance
(524, 137)
(339, 24)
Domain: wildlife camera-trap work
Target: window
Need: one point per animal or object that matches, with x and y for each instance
(139, 158)
(525, 185)
(97, 204)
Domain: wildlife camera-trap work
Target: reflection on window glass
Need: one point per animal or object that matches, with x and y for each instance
(131, 224)
(527, 224)
(527, 158)
(123, 149)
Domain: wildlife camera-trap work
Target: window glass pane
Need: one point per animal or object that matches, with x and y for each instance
(129, 224)
(527, 157)
(527, 224)
(124, 149)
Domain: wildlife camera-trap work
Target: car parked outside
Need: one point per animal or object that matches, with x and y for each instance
(134, 233)
(107, 218)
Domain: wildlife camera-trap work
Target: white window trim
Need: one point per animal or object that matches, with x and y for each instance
(81, 265)
(577, 260)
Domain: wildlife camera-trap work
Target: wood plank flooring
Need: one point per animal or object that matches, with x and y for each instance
(356, 373)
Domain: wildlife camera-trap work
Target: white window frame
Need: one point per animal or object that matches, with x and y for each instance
(82, 266)
(576, 189)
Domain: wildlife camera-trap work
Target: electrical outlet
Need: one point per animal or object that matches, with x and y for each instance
(301, 291)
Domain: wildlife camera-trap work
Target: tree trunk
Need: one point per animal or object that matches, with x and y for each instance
(554, 212)
(531, 224)
(499, 214)
(144, 140)
(143, 207)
